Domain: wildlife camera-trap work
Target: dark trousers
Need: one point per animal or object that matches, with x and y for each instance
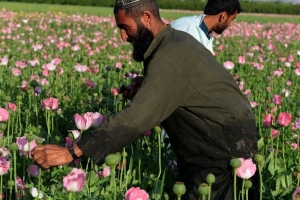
(222, 189)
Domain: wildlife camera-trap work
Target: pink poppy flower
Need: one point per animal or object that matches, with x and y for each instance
(4, 115)
(16, 72)
(274, 133)
(49, 66)
(80, 68)
(228, 65)
(76, 134)
(4, 165)
(268, 120)
(277, 72)
(289, 83)
(3, 151)
(20, 184)
(56, 61)
(118, 65)
(75, 180)
(247, 169)
(114, 91)
(24, 146)
(284, 118)
(34, 62)
(11, 106)
(296, 194)
(136, 193)
(4, 61)
(105, 172)
(50, 103)
(297, 71)
(148, 133)
(46, 72)
(241, 59)
(83, 122)
(277, 99)
(60, 71)
(98, 119)
(33, 170)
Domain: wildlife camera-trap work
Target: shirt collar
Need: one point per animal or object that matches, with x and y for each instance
(204, 28)
(157, 40)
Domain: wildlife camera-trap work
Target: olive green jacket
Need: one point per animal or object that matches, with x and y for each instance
(193, 97)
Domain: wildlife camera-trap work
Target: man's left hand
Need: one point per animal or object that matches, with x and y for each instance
(51, 155)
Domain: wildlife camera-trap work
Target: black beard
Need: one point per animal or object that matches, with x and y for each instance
(141, 42)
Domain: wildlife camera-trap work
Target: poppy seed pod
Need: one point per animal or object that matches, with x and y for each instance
(179, 188)
(210, 178)
(248, 184)
(112, 159)
(297, 168)
(203, 189)
(13, 147)
(235, 163)
(258, 158)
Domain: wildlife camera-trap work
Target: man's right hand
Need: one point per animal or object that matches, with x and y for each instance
(130, 91)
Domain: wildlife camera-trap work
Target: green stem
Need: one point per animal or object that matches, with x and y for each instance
(15, 173)
(70, 195)
(247, 193)
(260, 182)
(243, 189)
(234, 183)
(112, 178)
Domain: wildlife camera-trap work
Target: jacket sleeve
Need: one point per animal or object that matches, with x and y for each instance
(162, 91)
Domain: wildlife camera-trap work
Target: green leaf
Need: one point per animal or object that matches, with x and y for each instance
(260, 143)
(93, 178)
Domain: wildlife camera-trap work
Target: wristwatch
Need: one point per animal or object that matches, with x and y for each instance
(72, 152)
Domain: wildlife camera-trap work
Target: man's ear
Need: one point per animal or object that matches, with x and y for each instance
(223, 16)
(146, 18)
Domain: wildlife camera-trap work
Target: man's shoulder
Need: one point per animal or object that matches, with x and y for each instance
(186, 19)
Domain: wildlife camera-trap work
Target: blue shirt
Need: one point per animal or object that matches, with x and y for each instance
(195, 26)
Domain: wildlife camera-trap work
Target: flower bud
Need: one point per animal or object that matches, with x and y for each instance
(203, 189)
(18, 97)
(297, 168)
(29, 137)
(39, 141)
(108, 68)
(124, 154)
(157, 129)
(248, 184)
(112, 159)
(2, 126)
(210, 178)
(179, 188)
(10, 183)
(7, 98)
(297, 113)
(13, 147)
(258, 158)
(271, 105)
(57, 138)
(235, 163)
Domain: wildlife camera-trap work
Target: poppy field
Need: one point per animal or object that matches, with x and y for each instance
(60, 76)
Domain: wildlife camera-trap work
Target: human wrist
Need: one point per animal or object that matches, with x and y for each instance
(74, 151)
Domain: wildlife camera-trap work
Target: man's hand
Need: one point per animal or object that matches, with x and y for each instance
(51, 155)
(133, 88)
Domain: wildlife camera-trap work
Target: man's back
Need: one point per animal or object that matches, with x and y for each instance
(191, 25)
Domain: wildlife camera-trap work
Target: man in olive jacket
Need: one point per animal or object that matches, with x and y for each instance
(192, 96)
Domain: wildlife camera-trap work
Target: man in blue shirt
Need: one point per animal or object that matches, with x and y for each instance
(217, 17)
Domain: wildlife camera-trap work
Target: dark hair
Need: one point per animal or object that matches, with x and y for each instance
(136, 11)
(214, 7)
